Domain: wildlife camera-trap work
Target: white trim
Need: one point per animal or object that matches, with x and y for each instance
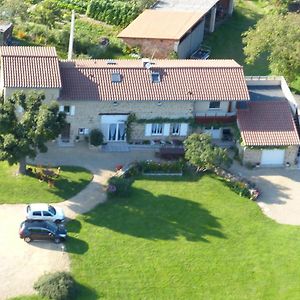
(183, 129)
(148, 129)
(166, 129)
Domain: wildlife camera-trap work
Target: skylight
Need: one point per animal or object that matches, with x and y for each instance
(155, 77)
(116, 77)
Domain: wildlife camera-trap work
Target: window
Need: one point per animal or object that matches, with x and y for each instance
(36, 213)
(155, 77)
(83, 131)
(214, 104)
(116, 77)
(67, 109)
(175, 129)
(157, 129)
(46, 214)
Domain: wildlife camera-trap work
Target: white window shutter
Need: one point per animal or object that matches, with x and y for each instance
(166, 129)
(183, 129)
(72, 110)
(86, 131)
(61, 108)
(148, 129)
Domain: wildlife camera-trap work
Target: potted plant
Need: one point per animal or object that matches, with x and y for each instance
(77, 138)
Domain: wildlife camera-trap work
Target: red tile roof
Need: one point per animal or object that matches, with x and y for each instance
(179, 80)
(267, 123)
(30, 67)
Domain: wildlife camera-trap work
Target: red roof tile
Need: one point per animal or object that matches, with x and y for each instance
(30, 67)
(179, 80)
(267, 123)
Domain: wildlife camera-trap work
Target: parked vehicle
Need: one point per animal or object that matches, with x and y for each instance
(42, 230)
(42, 211)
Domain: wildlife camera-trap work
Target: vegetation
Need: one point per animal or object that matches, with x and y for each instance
(29, 189)
(96, 137)
(26, 133)
(226, 42)
(200, 152)
(56, 286)
(279, 36)
(119, 186)
(161, 167)
(179, 238)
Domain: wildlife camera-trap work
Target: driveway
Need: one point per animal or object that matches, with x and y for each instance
(21, 264)
(280, 187)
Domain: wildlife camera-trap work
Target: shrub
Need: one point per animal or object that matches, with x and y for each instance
(56, 286)
(119, 186)
(149, 166)
(96, 137)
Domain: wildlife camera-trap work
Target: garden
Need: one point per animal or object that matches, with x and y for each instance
(42, 183)
(183, 237)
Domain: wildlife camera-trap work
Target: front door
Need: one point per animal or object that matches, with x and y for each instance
(65, 133)
(116, 132)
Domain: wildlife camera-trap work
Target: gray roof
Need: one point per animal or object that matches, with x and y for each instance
(190, 5)
(5, 26)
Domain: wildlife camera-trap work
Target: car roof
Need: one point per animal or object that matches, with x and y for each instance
(39, 206)
(38, 223)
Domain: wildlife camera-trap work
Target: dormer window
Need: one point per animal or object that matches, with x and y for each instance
(116, 77)
(155, 77)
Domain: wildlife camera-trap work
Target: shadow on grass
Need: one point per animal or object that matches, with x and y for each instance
(86, 293)
(71, 245)
(162, 217)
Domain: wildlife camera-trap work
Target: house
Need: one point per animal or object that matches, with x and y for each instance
(5, 33)
(159, 100)
(174, 27)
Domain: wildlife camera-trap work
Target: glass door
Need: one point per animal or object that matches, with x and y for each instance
(116, 132)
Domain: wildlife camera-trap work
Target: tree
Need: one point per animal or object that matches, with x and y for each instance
(279, 36)
(47, 12)
(25, 133)
(200, 152)
(11, 9)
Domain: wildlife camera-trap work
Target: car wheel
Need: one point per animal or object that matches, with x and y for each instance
(57, 240)
(27, 239)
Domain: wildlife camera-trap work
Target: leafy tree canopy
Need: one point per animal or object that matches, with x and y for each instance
(200, 152)
(279, 36)
(26, 124)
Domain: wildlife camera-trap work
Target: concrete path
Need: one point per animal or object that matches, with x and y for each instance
(21, 264)
(280, 188)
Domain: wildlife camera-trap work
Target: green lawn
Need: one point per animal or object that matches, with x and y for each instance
(28, 189)
(183, 239)
(226, 41)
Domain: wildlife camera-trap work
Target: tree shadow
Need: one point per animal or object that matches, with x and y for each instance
(71, 245)
(161, 217)
(86, 293)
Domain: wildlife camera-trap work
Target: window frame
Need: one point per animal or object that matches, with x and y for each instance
(213, 103)
(177, 133)
(158, 130)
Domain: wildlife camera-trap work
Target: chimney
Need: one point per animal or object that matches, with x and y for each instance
(71, 40)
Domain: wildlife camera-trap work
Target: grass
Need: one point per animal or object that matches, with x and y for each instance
(226, 41)
(28, 189)
(183, 239)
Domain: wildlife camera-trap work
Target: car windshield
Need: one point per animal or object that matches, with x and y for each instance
(52, 210)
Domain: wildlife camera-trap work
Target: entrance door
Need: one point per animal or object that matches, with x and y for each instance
(65, 133)
(116, 132)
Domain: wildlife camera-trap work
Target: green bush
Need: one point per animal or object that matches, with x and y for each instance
(240, 188)
(119, 186)
(96, 137)
(149, 166)
(56, 286)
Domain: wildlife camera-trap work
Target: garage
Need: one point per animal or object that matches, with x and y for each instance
(272, 157)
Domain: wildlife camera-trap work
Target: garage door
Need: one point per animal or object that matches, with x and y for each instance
(272, 157)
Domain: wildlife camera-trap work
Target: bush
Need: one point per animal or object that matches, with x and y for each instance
(149, 166)
(56, 286)
(96, 137)
(119, 186)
